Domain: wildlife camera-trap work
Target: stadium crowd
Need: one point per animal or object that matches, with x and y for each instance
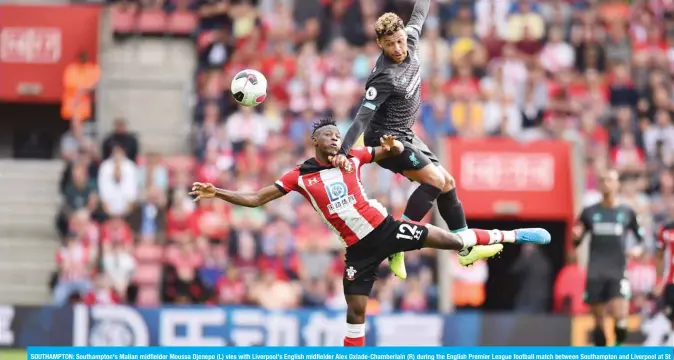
(591, 72)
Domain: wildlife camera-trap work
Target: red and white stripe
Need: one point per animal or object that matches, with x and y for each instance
(351, 222)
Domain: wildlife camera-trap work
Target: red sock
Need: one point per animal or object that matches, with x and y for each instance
(359, 341)
(484, 237)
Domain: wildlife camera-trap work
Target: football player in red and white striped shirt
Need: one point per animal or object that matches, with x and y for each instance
(364, 226)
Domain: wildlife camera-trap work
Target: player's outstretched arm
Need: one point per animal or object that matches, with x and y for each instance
(389, 147)
(241, 198)
(419, 14)
(360, 123)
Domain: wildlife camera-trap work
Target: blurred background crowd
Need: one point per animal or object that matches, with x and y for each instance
(596, 73)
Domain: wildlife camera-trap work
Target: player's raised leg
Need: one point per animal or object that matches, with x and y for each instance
(422, 199)
(483, 244)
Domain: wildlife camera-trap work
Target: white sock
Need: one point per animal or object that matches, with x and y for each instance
(355, 331)
(509, 236)
(468, 238)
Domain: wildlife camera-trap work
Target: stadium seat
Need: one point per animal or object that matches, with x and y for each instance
(148, 295)
(148, 253)
(152, 22)
(147, 274)
(181, 163)
(182, 23)
(123, 22)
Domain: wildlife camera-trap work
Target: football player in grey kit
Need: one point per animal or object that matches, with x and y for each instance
(391, 107)
(608, 224)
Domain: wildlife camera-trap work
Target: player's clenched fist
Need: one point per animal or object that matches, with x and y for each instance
(339, 161)
(202, 191)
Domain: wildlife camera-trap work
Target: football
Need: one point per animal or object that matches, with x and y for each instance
(249, 87)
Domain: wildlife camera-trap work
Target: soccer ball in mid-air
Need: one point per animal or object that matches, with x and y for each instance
(249, 87)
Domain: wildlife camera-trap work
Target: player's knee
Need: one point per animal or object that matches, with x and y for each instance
(450, 184)
(435, 178)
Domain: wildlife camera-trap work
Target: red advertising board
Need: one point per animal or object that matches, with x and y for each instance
(502, 177)
(37, 43)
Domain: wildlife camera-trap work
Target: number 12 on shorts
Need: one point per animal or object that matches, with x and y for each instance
(408, 232)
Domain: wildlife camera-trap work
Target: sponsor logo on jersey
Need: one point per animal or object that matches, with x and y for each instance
(608, 229)
(340, 199)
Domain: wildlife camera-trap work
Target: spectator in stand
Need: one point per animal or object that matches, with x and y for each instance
(75, 264)
(148, 219)
(116, 231)
(79, 81)
(118, 183)
(118, 266)
(102, 294)
(246, 125)
(123, 138)
(213, 13)
(74, 141)
(78, 194)
(153, 174)
(216, 54)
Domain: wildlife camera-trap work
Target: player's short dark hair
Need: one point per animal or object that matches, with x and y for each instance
(388, 24)
(323, 122)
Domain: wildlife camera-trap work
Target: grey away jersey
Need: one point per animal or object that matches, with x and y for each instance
(608, 228)
(394, 92)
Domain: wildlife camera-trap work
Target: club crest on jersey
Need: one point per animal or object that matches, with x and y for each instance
(351, 273)
(370, 93)
(348, 168)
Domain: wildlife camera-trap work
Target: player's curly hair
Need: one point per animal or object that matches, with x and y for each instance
(388, 24)
(326, 121)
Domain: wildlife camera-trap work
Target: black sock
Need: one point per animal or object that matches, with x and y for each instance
(598, 337)
(421, 201)
(451, 211)
(620, 334)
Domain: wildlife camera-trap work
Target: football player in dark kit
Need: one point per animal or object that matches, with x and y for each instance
(391, 107)
(608, 223)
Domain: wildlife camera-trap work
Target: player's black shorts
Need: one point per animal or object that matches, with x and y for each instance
(415, 156)
(600, 290)
(363, 258)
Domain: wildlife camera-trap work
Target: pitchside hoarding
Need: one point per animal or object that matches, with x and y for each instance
(21, 327)
(36, 44)
(502, 177)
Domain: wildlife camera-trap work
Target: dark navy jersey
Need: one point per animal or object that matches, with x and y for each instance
(608, 228)
(392, 92)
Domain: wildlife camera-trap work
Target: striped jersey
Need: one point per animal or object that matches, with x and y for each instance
(337, 195)
(665, 242)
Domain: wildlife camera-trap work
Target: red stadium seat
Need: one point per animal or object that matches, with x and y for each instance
(123, 22)
(147, 274)
(182, 23)
(148, 253)
(152, 22)
(148, 295)
(181, 163)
